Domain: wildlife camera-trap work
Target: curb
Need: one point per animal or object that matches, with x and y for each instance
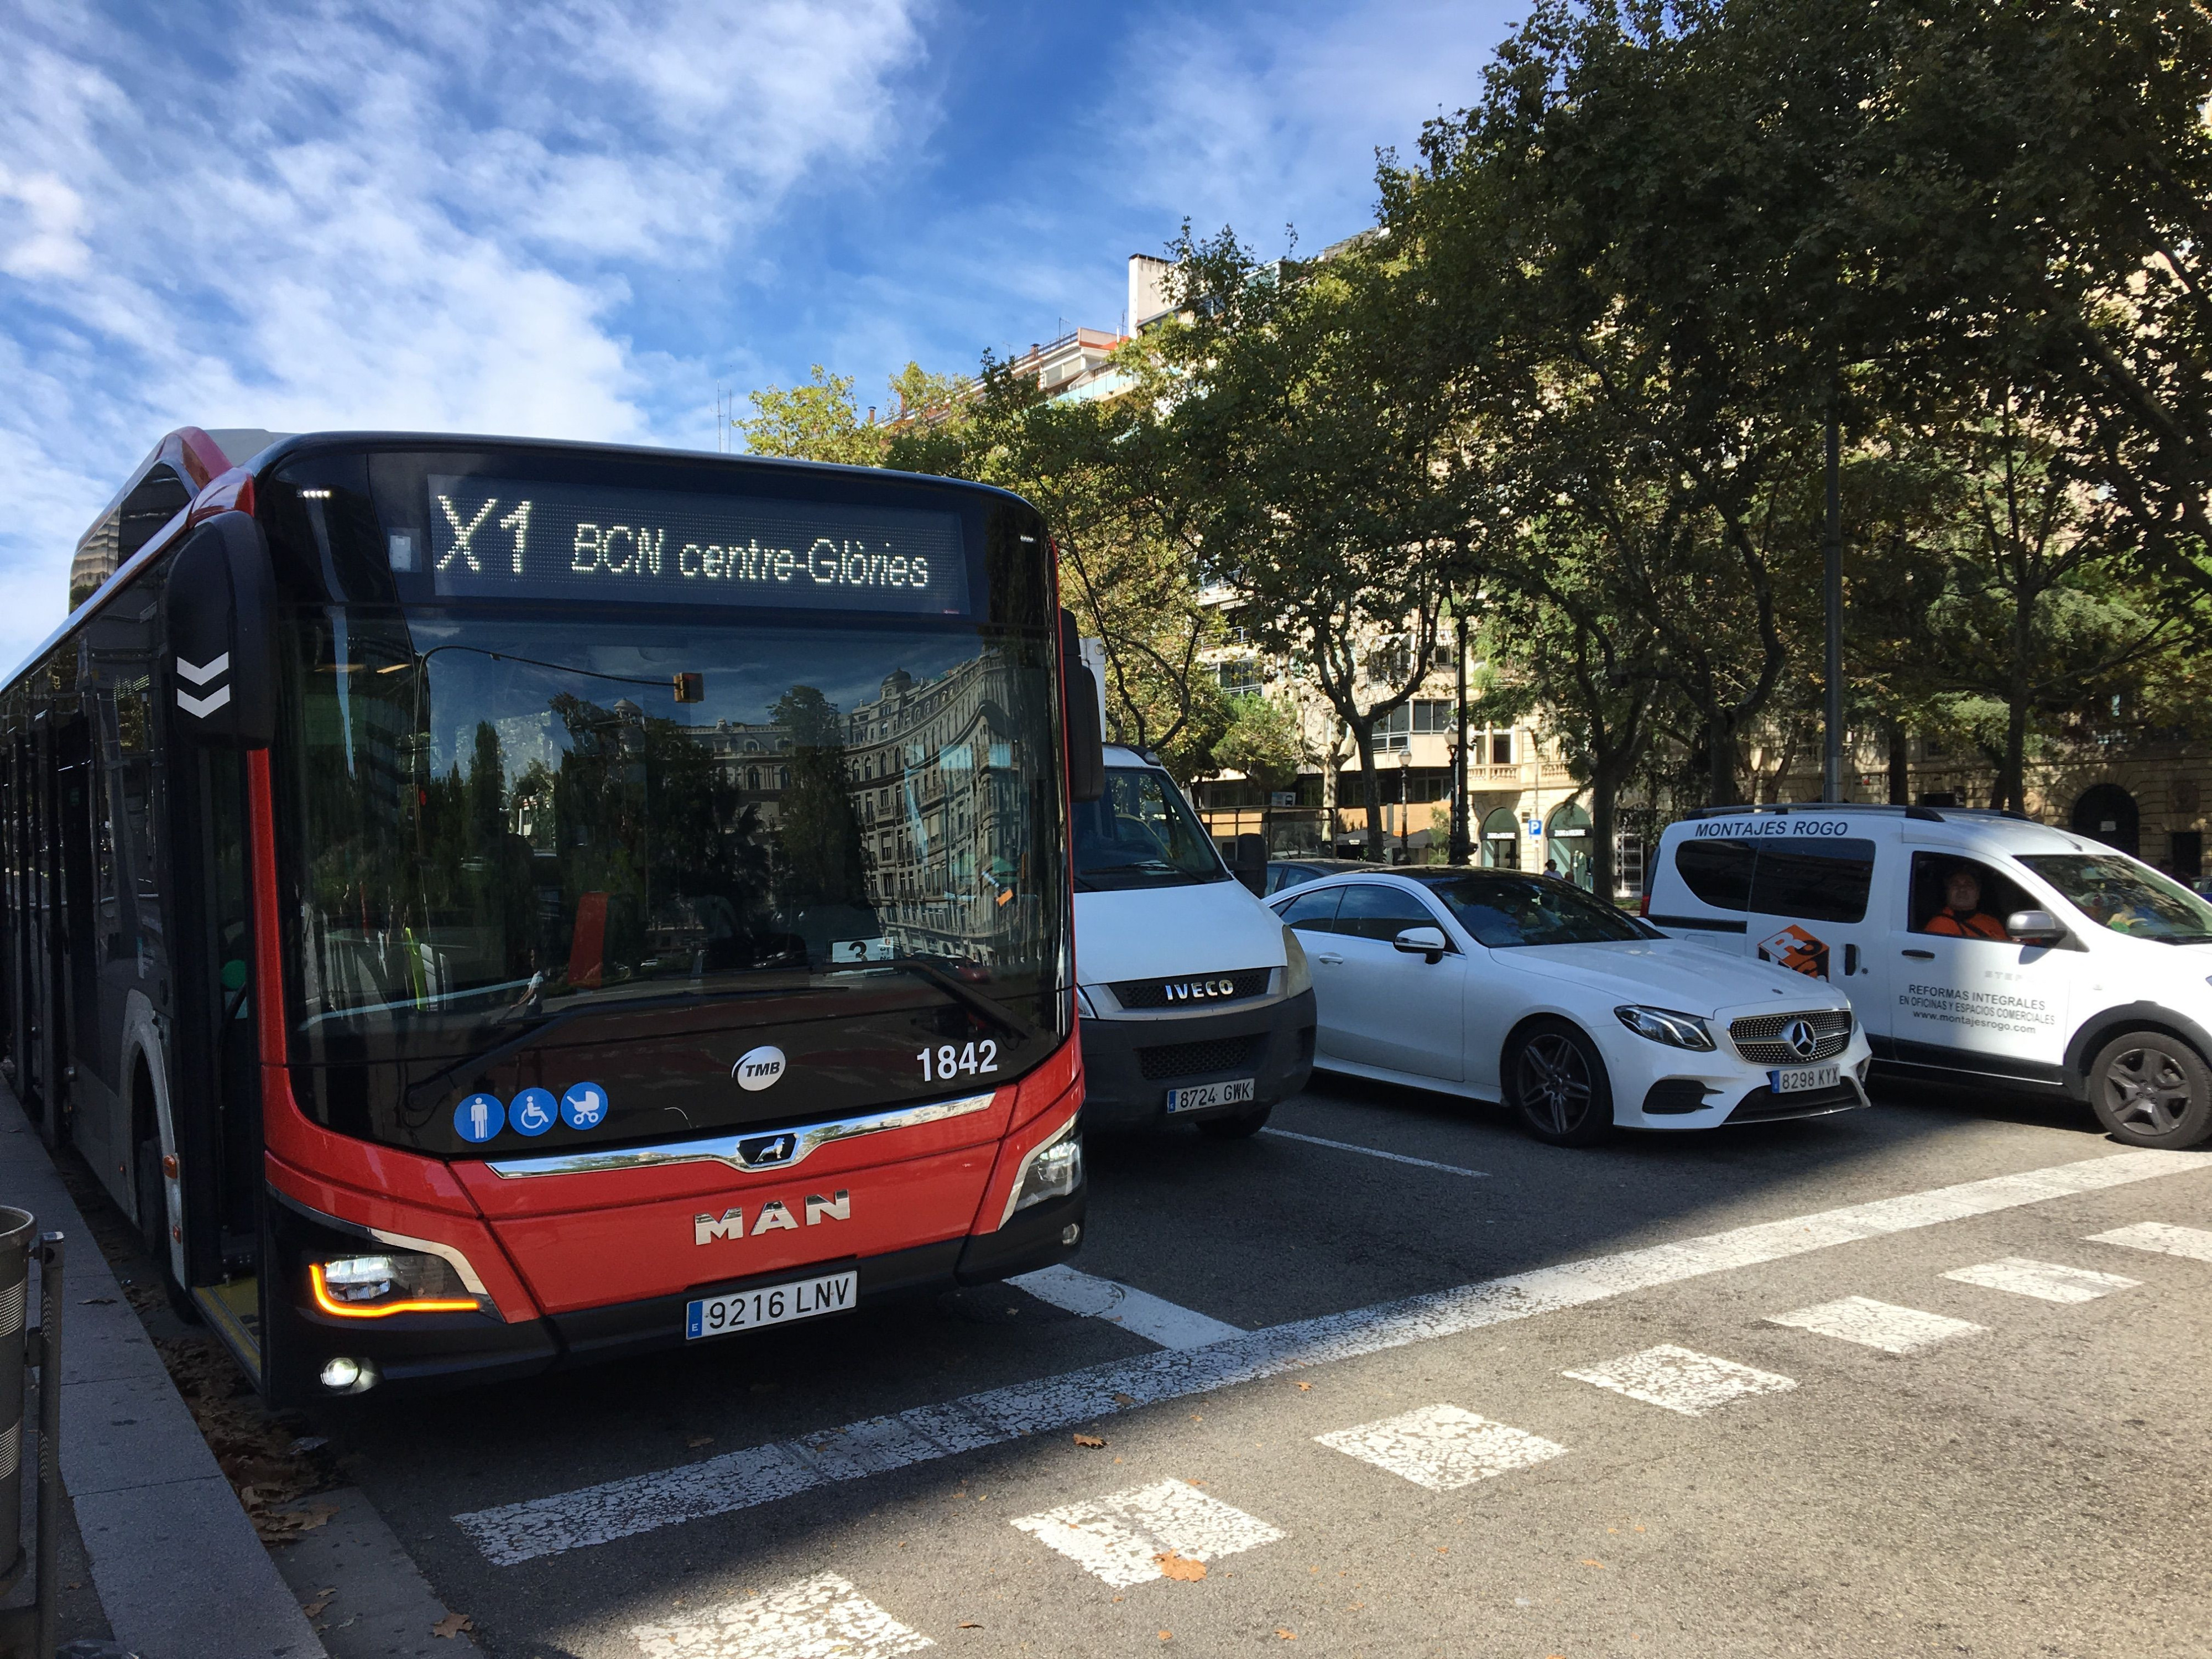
(178, 1567)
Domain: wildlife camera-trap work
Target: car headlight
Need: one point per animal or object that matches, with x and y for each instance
(399, 1281)
(1676, 1031)
(1053, 1169)
(1083, 1004)
(1298, 972)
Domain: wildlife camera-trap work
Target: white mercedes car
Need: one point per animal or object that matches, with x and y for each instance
(1524, 989)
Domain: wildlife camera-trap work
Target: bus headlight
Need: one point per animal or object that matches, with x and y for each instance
(399, 1281)
(1298, 972)
(1676, 1031)
(1052, 1170)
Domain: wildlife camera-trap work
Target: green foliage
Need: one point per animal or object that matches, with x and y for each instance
(1263, 741)
(816, 422)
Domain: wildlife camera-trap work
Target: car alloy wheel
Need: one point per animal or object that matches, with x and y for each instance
(1559, 1085)
(2151, 1090)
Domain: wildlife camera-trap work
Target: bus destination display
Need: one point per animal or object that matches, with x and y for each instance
(507, 538)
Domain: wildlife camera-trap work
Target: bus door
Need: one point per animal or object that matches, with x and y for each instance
(76, 925)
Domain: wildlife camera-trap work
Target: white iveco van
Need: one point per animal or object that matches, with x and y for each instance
(1971, 943)
(1196, 1001)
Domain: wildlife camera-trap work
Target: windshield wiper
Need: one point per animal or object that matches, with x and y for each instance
(960, 990)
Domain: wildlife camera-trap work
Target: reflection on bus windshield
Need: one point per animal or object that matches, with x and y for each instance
(511, 821)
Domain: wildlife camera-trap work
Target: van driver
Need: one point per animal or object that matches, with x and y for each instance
(1962, 915)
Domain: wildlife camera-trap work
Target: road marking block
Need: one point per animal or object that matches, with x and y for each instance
(1441, 1447)
(810, 1619)
(1370, 1152)
(1875, 1324)
(1681, 1379)
(509, 1533)
(2050, 1281)
(2193, 1242)
(1139, 1311)
(1120, 1537)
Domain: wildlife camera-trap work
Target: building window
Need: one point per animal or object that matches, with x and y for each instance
(1501, 748)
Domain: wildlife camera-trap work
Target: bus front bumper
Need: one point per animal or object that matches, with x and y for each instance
(418, 1351)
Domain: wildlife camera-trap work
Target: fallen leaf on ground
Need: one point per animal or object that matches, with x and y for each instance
(276, 1526)
(97, 1302)
(1125, 1400)
(452, 1625)
(1091, 1440)
(1166, 1636)
(315, 1610)
(1588, 1563)
(698, 1440)
(1286, 1636)
(970, 1624)
(1179, 1567)
(1305, 1388)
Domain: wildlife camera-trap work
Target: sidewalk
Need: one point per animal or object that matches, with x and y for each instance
(174, 1560)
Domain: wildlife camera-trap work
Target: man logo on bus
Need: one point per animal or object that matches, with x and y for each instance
(1793, 947)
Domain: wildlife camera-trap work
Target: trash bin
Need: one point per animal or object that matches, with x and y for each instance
(18, 1231)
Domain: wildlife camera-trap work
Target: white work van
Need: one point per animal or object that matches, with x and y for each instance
(1196, 1001)
(1971, 943)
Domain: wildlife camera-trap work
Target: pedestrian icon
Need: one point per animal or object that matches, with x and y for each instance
(533, 1111)
(479, 1118)
(584, 1106)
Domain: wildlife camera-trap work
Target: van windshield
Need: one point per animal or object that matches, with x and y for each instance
(2120, 894)
(1141, 834)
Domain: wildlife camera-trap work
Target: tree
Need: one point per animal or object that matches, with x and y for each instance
(824, 859)
(816, 422)
(1316, 452)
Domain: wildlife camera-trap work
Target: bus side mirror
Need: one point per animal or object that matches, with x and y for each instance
(1086, 742)
(2034, 927)
(220, 609)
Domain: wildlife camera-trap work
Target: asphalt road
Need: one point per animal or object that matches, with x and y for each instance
(1395, 1464)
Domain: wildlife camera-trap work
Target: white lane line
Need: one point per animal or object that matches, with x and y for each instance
(813, 1618)
(2049, 1281)
(1681, 1379)
(1122, 1537)
(1875, 1324)
(1443, 1448)
(511, 1532)
(2193, 1242)
(1150, 1316)
(1370, 1152)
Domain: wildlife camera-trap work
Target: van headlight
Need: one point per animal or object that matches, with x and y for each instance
(1667, 1025)
(1051, 1170)
(1298, 972)
(1083, 1004)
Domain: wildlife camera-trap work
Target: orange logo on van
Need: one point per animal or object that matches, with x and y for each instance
(1793, 947)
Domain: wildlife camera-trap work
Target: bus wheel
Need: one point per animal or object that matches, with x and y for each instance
(2151, 1090)
(1555, 1080)
(1242, 1126)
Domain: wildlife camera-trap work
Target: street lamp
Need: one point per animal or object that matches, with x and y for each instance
(1405, 763)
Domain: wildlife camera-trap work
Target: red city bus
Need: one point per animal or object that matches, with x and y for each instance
(482, 905)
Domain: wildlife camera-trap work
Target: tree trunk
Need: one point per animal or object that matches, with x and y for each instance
(1371, 786)
(1900, 775)
(1720, 759)
(2011, 790)
(1605, 790)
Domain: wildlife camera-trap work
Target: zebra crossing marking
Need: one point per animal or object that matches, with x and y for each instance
(1681, 1379)
(2047, 1281)
(1121, 1537)
(2193, 1243)
(811, 1620)
(1873, 1324)
(1442, 1447)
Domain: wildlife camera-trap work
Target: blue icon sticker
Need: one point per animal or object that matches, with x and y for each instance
(584, 1106)
(479, 1118)
(532, 1112)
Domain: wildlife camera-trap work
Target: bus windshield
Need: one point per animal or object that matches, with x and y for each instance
(511, 817)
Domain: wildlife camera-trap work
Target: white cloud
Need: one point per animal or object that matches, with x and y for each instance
(383, 215)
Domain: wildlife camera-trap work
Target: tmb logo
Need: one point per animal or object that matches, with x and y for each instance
(759, 1068)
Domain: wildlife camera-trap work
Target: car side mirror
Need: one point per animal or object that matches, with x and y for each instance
(2034, 927)
(1428, 942)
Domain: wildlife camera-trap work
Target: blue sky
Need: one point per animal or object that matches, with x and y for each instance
(577, 219)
